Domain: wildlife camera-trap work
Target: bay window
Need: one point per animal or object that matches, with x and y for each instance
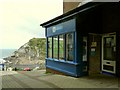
(70, 46)
(50, 47)
(61, 47)
(55, 47)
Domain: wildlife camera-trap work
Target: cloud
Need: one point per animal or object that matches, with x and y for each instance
(20, 20)
(14, 39)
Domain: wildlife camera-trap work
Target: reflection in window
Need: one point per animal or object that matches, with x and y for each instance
(55, 47)
(61, 47)
(70, 46)
(50, 47)
(84, 48)
(60, 51)
(109, 45)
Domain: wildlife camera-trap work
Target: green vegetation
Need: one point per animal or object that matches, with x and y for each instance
(55, 48)
(38, 45)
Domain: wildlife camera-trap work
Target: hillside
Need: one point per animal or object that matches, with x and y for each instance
(31, 53)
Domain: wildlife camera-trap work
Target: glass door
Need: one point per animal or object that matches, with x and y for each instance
(109, 53)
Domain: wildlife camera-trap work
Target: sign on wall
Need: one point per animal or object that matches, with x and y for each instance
(64, 27)
(94, 44)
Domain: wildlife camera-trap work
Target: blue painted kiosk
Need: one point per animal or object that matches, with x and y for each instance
(84, 40)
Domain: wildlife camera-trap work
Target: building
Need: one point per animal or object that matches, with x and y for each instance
(2, 64)
(72, 4)
(85, 40)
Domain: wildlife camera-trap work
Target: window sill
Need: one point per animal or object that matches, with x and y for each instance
(62, 61)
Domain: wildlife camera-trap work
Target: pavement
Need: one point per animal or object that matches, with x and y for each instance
(40, 79)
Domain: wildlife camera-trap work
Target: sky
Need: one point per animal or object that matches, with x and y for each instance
(20, 20)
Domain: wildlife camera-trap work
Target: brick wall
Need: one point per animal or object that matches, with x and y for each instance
(67, 6)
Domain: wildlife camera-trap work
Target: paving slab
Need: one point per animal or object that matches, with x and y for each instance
(39, 79)
(95, 81)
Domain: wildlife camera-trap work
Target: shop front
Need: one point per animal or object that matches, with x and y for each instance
(84, 41)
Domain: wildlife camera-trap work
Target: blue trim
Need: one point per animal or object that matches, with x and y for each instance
(75, 49)
(65, 47)
(46, 32)
(64, 27)
(58, 47)
(62, 61)
(47, 47)
(52, 48)
(61, 34)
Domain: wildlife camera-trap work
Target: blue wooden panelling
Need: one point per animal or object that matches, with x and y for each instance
(65, 27)
(81, 69)
(62, 66)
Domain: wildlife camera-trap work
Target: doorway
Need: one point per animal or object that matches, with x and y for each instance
(109, 53)
(94, 54)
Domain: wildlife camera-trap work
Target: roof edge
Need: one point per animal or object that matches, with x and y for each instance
(73, 12)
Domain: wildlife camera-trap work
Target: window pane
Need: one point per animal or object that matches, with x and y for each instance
(84, 48)
(50, 47)
(109, 48)
(70, 46)
(61, 47)
(55, 47)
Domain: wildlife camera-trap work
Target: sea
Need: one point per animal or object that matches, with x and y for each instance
(6, 53)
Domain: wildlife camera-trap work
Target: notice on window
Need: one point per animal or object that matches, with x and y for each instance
(94, 44)
(93, 52)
